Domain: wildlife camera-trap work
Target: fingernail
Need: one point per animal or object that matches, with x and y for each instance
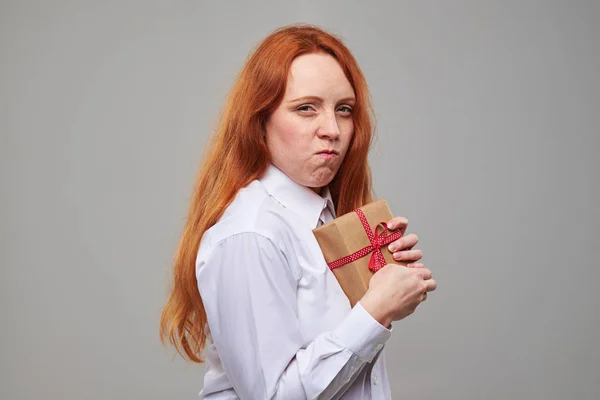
(392, 248)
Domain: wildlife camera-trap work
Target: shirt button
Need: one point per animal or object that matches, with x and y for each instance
(375, 380)
(379, 347)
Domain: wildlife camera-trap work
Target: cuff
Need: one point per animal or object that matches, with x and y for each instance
(362, 334)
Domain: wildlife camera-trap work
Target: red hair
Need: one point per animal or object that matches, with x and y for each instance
(237, 155)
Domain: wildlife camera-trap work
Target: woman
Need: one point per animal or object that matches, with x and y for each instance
(289, 154)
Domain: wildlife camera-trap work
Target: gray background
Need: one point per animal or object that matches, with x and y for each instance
(488, 127)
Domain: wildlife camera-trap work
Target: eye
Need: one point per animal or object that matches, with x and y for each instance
(345, 109)
(305, 108)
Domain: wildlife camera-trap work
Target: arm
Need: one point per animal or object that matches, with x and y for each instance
(249, 295)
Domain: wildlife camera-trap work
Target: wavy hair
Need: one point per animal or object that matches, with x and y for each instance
(237, 154)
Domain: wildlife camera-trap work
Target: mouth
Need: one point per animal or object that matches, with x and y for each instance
(328, 154)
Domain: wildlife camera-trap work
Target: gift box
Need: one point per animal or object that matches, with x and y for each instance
(355, 246)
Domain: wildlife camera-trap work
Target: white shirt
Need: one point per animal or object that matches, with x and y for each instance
(279, 324)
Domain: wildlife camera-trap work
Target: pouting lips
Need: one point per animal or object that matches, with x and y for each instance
(328, 152)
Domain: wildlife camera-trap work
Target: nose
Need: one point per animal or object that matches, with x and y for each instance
(328, 127)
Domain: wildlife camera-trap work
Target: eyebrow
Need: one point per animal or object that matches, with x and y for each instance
(319, 99)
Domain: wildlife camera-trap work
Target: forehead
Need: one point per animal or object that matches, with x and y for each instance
(317, 74)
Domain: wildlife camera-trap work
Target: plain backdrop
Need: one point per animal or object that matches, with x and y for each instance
(488, 129)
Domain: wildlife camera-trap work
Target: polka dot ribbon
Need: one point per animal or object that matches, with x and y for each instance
(377, 240)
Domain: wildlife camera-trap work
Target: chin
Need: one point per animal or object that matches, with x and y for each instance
(322, 177)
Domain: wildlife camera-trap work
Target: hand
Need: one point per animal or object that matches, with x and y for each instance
(395, 292)
(402, 248)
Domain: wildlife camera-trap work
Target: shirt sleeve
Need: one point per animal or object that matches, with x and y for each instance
(249, 295)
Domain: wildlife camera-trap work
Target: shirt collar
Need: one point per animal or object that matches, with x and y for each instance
(300, 199)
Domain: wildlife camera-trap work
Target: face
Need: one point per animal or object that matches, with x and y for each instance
(309, 133)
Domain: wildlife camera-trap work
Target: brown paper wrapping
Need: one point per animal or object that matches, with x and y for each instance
(346, 235)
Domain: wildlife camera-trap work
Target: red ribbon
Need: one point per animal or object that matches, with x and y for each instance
(377, 240)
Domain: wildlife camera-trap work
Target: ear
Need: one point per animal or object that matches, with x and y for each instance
(263, 129)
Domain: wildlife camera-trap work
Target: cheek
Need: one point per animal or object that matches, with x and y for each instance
(290, 133)
(347, 130)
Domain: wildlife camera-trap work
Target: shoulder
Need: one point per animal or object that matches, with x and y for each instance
(252, 211)
(254, 219)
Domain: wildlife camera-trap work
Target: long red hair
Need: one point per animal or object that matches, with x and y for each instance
(237, 155)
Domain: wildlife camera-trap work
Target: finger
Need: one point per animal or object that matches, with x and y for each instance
(424, 273)
(424, 297)
(431, 285)
(398, 223)
(405, 242)
(408, 255)
(415, 265)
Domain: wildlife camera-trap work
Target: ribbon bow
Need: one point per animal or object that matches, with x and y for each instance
(378, 240)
